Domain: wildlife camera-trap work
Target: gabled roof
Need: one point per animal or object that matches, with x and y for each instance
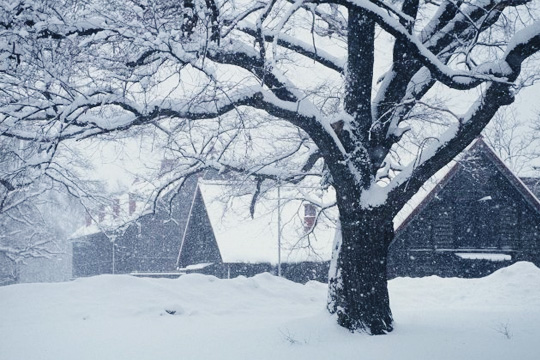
(446, 174)
(533, 183)
(242, 239)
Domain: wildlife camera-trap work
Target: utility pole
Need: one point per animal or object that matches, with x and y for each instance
(279, 228)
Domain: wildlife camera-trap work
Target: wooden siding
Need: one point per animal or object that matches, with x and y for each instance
(297, 272)
(477, 208)
(199, 244)
(92, 255)
(149, 244)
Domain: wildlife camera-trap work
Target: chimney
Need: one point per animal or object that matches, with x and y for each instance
(167, 165)
(116, 208)
(88, 219)
(132, 204)
(310, 214)
(101, 213)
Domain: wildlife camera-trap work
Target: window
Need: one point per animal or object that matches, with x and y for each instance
(310, 214)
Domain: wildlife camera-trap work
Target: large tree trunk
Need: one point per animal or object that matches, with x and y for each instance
(358, 291)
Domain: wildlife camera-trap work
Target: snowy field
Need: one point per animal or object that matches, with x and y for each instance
(265, 317)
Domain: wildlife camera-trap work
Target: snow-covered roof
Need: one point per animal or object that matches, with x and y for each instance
(85, 231)
(533, 183)
(241, 238)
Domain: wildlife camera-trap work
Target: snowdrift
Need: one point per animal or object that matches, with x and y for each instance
(266, 317)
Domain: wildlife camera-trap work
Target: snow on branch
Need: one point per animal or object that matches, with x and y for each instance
(523, 44)
(300, 47)
(498, 71)
(439, 151)
(40, 249)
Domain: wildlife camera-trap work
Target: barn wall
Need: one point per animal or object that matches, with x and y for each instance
(200, 244)
(92, 255)
(150, 244)
(477, 210)
(297, 272)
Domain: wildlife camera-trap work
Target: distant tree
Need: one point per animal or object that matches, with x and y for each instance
(23, 230)
(515, 140)
(34, 190)
(280, 90)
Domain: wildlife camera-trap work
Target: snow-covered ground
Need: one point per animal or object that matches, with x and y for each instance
(265, 317)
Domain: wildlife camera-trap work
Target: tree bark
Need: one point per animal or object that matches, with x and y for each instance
(358, 291)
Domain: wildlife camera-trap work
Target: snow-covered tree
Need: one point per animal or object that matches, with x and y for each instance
(24, 231)
(514, 139)
(280, 89)
(37, 212)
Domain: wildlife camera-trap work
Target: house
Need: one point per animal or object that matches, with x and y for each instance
(478, 217)
(280, 237)
(143, 242)
(210, 230)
